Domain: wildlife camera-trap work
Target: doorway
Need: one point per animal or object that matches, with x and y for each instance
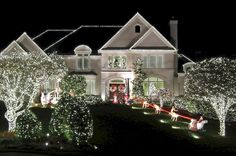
(117, 91)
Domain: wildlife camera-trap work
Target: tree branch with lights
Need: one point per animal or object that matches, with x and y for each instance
(213, 81)
(21, 75)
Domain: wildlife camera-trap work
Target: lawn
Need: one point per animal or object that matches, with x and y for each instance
(119, 128)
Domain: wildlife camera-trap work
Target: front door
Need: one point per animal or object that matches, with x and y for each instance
(117, 93)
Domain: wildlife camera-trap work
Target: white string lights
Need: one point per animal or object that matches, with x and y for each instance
(213, 81)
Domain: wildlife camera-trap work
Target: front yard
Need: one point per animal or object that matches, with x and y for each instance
(119, 128)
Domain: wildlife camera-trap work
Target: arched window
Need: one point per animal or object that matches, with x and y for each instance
(83, 53)
(152, 84)
(137, 28)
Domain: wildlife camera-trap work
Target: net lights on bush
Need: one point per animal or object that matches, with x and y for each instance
(72, 118)
(28, 127)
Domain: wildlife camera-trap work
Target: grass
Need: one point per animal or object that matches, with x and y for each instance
(119, 128)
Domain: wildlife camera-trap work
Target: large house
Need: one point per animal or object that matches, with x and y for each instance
(104, 55)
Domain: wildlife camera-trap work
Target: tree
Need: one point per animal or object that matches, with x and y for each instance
(21, 74)
(28, 127)
(140, 76)
(213, 81)
(71, 118)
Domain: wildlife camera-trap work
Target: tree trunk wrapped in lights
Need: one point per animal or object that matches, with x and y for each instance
(213, 81)
(21, 74)
(71, 118)
(140, 76)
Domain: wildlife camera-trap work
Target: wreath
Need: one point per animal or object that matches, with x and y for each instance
(113, 88)
(121, 88)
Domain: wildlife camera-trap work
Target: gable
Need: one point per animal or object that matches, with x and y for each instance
(12, 48)
(153, 39)
(127, 36)
(28, 44)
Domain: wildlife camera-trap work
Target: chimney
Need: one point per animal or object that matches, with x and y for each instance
(174, 32)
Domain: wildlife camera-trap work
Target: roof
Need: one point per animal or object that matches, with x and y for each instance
(126, 37)
(48, 37)
(93, 36)
(155, 48)
(147, 38)
(23, 44)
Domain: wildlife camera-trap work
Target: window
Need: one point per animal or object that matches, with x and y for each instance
(117, 62)
(137, 28)
(152, 84)
(90, 89)
(84, 62)
(153, 61)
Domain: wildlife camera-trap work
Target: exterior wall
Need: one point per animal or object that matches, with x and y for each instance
(179, 84)
(99, 65)
(95, 66)
(127, 37)
(71, 62)
(167, 73)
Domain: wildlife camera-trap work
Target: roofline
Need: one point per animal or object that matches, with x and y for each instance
(154, 30)
(73, 31)
(19, 39)
(145, 22)
(48, 30)
(9, 46)
(182, 55)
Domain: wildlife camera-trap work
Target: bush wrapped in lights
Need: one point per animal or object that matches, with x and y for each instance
(93, 99)
(28, 127)
(71, 118)
(74, 83)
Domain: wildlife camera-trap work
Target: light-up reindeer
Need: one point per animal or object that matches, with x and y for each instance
(174, 115)
(145, 104)
(157, 108)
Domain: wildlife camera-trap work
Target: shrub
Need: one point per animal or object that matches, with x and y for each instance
(28, 127)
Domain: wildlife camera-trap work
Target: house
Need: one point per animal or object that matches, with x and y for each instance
(104, 55)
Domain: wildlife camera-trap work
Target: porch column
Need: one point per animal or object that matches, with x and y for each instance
(103, 91)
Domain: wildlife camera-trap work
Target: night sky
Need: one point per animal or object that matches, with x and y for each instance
(204, 27)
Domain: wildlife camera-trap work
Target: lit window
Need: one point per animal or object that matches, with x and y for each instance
(152, 84)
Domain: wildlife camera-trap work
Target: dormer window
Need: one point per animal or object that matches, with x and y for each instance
(137, 28)
(83, 53)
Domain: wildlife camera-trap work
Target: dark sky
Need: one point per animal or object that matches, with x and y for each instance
(203, 26)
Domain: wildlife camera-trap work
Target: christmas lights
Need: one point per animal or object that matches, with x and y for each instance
(140, 76)
(28, 126)
(21, 74)
(71, 118)
(74, 83)
(213, 81)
